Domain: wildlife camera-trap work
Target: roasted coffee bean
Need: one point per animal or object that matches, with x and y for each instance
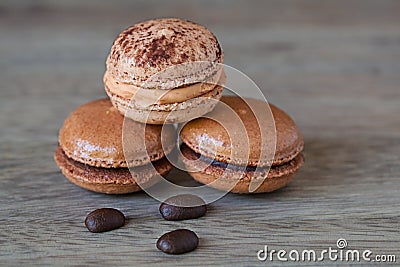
(183, 207)
(178, 241)
(106, 219)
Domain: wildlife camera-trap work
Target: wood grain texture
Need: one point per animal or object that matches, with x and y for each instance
(333, 65)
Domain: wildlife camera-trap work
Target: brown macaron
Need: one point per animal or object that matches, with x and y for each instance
(214, 158)
(92, 149)
(164, 71)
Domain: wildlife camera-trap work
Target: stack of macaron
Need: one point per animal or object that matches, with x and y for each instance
(158, 73)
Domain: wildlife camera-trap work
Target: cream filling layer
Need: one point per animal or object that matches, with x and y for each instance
(147, 97)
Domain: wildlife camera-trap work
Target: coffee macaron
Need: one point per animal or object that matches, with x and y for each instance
(91, 151)
(212, 159)
(164, 71)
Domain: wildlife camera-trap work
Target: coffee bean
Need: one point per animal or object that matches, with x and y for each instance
(106, 219)
(178, 241)
(183, 207)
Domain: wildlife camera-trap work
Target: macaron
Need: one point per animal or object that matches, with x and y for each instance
(164, 71)
(92, 149)
(213, 151)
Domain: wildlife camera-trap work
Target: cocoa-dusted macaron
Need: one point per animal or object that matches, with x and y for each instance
(164, 71)
(212, 159)
(91, 150)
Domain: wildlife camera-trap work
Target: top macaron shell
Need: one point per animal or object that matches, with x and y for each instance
(150, 47)
(92, 134)
(289, 142)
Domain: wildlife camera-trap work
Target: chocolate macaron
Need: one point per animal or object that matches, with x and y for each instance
(91, 150)
(164, 71)
(212, 159)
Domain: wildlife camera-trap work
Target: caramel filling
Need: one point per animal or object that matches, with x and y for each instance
(147, 97)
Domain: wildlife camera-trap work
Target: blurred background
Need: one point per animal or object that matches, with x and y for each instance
(304, 55)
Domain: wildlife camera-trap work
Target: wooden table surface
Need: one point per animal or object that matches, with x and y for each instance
(333, 65)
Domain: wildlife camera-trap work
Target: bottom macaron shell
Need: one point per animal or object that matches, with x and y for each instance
(238, 180)
(241, 187)
(168, 113)
(111, 180)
